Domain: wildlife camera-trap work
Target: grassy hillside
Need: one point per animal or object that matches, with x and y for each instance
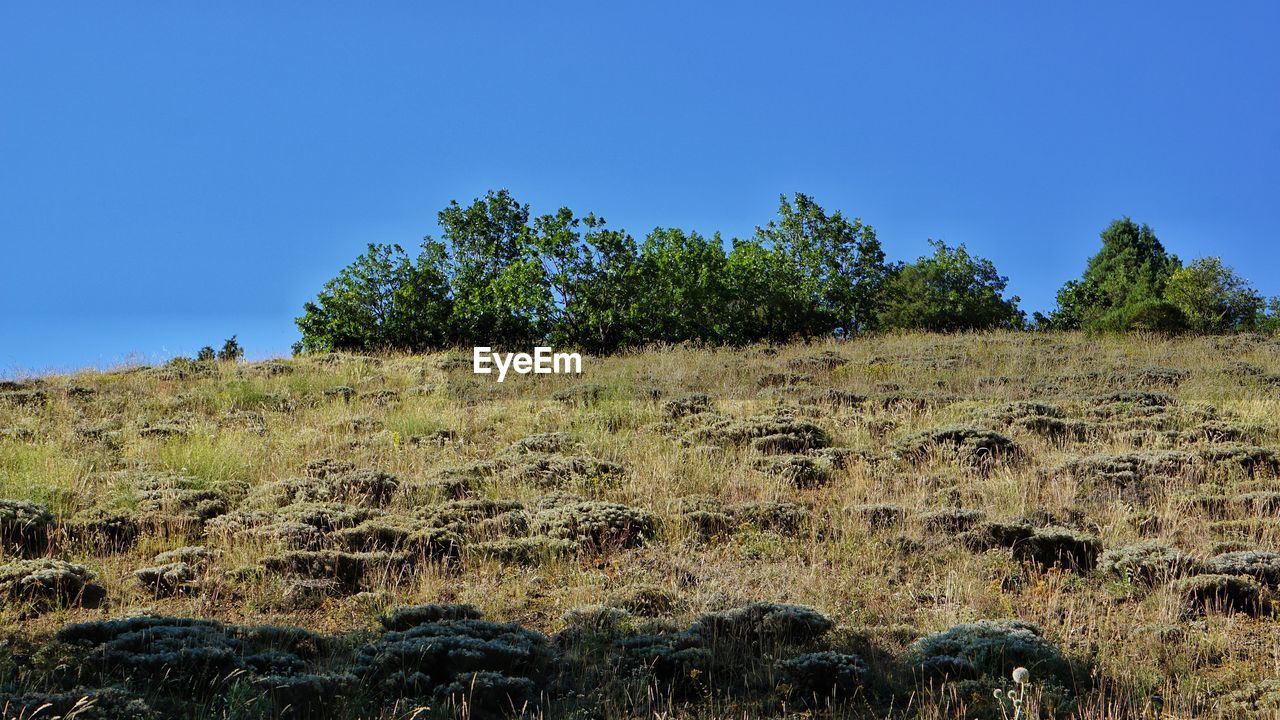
(1120, 495)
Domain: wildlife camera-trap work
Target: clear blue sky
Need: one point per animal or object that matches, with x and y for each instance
(174, 173)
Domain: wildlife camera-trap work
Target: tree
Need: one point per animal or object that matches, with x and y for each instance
(594, 277)
(1213, 297)
(382, 301)
(1130, 270)
(839, 267)
(679, 287)
(501, 293)
(231, 349)
(948, 291)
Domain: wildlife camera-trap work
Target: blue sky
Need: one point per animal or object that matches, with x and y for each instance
(174, 173)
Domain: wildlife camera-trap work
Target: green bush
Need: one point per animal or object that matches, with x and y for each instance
(24, 528)
(992, 648)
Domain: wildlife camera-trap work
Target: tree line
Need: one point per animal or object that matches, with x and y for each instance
(502, 277)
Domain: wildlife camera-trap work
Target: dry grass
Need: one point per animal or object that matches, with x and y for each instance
(230, 429)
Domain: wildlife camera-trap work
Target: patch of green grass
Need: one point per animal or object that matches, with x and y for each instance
(38, 473)
(212, 459)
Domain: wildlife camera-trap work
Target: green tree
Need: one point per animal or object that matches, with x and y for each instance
(680, 292)
(1213, 297)
(948, 291)
(1128, 273)
(501, 293)
(594, 274)
(231, 349)
(839, 267)
(382, 301)
(761, 302)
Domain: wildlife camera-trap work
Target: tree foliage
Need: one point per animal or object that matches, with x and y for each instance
(1213, 298)
(948, 291)
(382, 301)
(1128, 274)
(503, 277)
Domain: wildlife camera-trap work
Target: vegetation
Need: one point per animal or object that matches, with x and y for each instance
(885, 527)
(500, 276)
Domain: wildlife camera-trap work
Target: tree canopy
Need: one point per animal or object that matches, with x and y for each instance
(504, 277)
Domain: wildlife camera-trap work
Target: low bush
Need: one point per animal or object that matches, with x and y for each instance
(24, 528)
(763, 626)
(81, 704)
(801, 471)
(405, 617)
(169, 579)
(686, 405)
(347, 569)
(991, 648)
(1260, 565)
(1059, 546)
(595, 525)
(825, 675)
(427, 659)
(1199, 594)
(972, 447)
(526, 551)
(44, 584)
(1148, 563)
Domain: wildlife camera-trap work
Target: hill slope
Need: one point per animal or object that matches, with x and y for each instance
(707, 533)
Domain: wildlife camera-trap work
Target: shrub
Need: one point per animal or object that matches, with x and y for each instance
(1219, 593)
(25, 398)
(81, 704)
(824, 360)
(825, 674)
(783, 433)
(1039, 418)
(527, 551)
(405, 617)
(879, 516)
(784, 518)
(1148, 563)
(582, 395)
(24, 528)
(677, 662)
(46, 583)
(596, 525)
(974, 447)
(831, 397)
(487, 694)
(304, 695)
(950, 520)
(997, 534)
(645, 600)
(1253, 700)
(555, 442)
(763, 625)
(596, 620)
(367, 487)
(102, 532)
(347, 569)
(151, 651)
(420, 661)
(992, 648)
(802, 471)
(549, 471)
(1128, 476)
(168, 579)
(1059, 546)
(195, 555)
(1261, 565)
(687, 405)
